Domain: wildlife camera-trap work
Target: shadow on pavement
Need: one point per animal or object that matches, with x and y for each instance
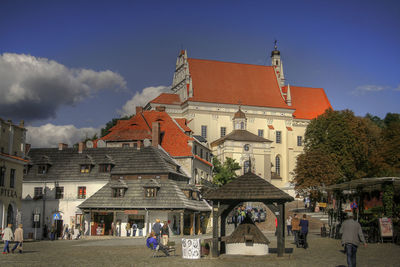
(275, 250)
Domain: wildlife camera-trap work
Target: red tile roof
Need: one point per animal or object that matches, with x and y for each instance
(308, 102)
(234, 83)
(183, 124)
(203, 160)
(174, 140)
(164, 98)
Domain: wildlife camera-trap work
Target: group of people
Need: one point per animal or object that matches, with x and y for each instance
(159, 237)
(8, 236)
(131, 229)
(299, 228)
(241, 212)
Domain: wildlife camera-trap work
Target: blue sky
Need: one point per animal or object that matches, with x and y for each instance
(349, 48)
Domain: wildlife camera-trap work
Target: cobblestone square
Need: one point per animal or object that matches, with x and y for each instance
(132, 252)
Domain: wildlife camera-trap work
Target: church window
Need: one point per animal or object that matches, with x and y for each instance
(204, 131)
(261, 132)
(246, 166)
(299, 140)
(278, 137)
(277, 62)
(246, 147)
(223, 131)
(278, 165)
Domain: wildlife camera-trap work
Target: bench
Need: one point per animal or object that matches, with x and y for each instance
(170, 248)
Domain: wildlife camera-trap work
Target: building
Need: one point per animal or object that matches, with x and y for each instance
(207, 93)
(62, 186)
(191, 152)
(12, 152)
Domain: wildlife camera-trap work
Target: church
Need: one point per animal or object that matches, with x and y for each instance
(244, 111)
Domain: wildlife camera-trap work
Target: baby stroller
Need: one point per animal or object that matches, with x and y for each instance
(301, 242)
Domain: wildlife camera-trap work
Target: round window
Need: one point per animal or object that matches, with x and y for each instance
(246, 147)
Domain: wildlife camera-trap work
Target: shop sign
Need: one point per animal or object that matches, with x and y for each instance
(191, 248)
(57, 216)
(8, 192)
(386, 227)
(130, 211)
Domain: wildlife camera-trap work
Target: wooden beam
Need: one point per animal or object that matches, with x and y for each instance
(214, 247)
(281, 230)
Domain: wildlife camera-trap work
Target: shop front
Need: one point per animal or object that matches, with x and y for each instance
(101, 223)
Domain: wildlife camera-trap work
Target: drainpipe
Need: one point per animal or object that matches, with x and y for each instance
(44, 209)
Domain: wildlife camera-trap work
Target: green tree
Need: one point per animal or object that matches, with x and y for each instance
(224, 173)
(106, 130)
(391, 145)
(344, 145)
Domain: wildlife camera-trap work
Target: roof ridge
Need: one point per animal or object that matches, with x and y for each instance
(230, 62)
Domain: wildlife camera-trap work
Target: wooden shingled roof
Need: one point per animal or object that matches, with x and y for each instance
(249, 187)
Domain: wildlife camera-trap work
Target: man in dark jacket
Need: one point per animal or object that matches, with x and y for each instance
(157, 230)
(351, 236)
(304, 229)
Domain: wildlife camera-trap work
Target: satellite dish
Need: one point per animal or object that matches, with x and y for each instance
(146, 142)
(101, 143)
(89, 144)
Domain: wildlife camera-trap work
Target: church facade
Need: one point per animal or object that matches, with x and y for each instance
(209, 93)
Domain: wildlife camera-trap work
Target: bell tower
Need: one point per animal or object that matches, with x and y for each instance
(276, 62)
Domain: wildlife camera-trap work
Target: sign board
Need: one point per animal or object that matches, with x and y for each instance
(386, 227)
(36, 217)
(131, 212)
(191, 248)
(322, 204)
(57, 216)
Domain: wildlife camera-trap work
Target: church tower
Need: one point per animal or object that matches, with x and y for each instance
(276, 62)
(239, 120)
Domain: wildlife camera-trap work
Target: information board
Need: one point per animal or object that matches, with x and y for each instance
(191, 248)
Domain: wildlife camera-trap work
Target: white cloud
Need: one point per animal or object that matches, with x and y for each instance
(397, 88)
(33, 88)
(50, 135)
(141, 99)
(363, 89)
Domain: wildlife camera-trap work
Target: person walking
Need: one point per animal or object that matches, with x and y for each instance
(128, 229)
(165, 233)
(18, 238)
(304, 229)
(7, 237)
(157, 229)
(289, 225)
(296, 228)
(351, 236)
(53, 232)
(134, 228)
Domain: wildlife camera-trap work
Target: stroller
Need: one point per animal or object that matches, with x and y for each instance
(301, 242)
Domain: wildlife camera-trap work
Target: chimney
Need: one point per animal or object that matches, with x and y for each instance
(27, 148)
(21, 124)
(81, 147)
(155, 140)
(62, 146)
(139, 109)
(160, 108)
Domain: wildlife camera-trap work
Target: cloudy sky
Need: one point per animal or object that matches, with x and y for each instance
(68, 67)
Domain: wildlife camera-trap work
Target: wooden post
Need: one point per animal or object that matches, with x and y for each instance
(281, 230)
(192, 223)
(223, 231)
(114, 222)
(214, 248)
(182, 223)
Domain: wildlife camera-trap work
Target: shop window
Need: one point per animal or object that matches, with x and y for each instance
(81, 192)
(85, 168)
(118, 192)
(105, 168)
(42, 169)
(12, 178)
(38, 192)
(2, 175)
(299, 140)
(278, 137)
(223, 131)
(150, 192)
(59, 192)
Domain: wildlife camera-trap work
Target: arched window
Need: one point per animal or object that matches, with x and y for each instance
(246, 166)
(278, 165)
(242, 125)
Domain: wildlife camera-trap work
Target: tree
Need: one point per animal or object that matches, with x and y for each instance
(110, 124)
(226, 172)
(339, 146)
(391, 145)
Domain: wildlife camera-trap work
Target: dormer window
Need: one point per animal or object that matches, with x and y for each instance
(118, 192)
(150, 192)
(85, 168)
(105, 168)
(42, 169)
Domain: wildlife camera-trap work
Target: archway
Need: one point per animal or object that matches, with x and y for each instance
(10, 215)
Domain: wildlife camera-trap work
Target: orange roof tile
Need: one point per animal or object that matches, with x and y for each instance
(308, 102)
(203, 160)
(234, 83)
(164, 98)
(183, 123)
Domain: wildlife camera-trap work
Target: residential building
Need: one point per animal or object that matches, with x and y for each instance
(12, 162)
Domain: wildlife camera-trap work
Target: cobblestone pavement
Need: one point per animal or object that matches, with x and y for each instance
(132, 252)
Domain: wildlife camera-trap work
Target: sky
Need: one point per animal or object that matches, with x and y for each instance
(69, 67)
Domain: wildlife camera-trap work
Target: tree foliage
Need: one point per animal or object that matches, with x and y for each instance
(339, 146)
(226, 172)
